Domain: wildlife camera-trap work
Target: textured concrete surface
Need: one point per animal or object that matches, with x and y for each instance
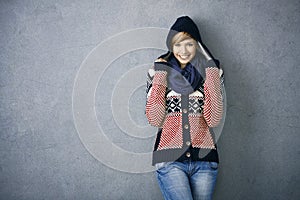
(43, 44)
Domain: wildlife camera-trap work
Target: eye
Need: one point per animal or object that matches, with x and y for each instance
(190, 44)
(177, 45)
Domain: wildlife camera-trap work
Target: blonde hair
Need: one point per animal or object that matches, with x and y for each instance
(183, 36)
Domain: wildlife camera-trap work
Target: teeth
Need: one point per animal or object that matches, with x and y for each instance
(184, 56)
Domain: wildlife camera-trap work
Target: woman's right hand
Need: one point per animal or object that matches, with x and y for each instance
(160, 60)
(161, 64)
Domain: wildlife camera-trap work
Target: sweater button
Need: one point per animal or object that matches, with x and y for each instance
(188, 143)
(184, 110)
(188, 154)
(186, 126)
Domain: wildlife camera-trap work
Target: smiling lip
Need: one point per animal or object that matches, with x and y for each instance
(184, 57)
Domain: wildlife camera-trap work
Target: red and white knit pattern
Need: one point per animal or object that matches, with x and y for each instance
(155, 108)
(171, 136)
(200, 134)
(213, 105)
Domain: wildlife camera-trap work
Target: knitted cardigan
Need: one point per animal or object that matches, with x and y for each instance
(184, 121)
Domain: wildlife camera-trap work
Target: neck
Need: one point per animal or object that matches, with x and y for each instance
(182, 66)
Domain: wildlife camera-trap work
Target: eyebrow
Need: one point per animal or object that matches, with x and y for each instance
(186, 41)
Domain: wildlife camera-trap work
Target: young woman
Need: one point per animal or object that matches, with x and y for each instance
(184, 100)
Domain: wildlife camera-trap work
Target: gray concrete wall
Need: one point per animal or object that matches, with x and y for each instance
(43, 45)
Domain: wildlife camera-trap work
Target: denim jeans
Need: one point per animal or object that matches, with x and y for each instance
(187, 180)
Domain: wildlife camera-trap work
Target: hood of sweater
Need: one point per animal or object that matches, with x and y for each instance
(183, 24)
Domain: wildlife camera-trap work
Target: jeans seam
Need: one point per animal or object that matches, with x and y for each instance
(164, 193)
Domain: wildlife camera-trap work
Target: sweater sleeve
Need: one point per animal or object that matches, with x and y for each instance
(156, 89)
(213, 104)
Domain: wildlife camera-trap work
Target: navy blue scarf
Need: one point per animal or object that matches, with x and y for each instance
(183, 81)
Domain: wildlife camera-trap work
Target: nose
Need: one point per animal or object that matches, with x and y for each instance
(183, 49)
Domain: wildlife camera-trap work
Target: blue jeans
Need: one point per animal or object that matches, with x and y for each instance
(188, 180)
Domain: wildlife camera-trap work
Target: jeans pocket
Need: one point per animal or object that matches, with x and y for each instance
(162, 168)
(213, 165)
(160, 165)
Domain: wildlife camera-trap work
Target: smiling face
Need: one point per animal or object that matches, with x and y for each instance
(184, 48)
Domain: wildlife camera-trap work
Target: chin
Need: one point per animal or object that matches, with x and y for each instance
(183, 61)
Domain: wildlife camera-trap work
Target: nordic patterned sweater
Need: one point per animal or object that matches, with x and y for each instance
(184, 121)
